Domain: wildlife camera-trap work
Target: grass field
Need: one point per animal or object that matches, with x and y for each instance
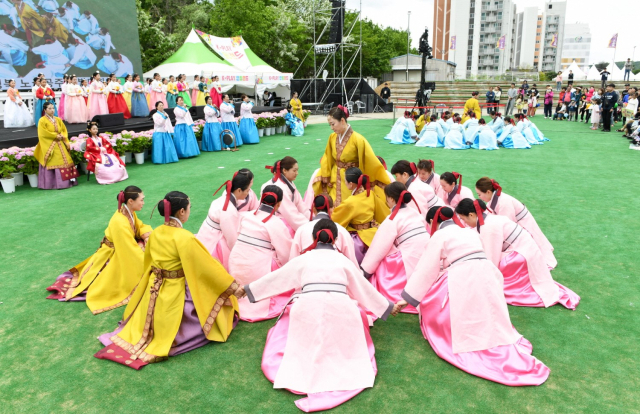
(582, 187)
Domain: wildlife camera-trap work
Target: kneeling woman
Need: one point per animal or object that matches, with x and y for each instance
(403, 131)
(102, 159)
(183, 136)
(293, 210)
(219, 231)
(454, 139)
(107, 279)
(510, 137)
(163, 318)
(397, 246)
(463, 312)
(163, 149)
(527, 279)
(263, 246)
(212, 129)
(423, 195)
(321, 345)
(452, 190)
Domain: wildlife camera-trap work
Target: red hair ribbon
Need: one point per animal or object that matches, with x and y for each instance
(456, 220)
(167, 210)
(512, 123)
(317, 238)
(384, 164)
(434, 222)
(496, 186)
(274, 170)
(478, 212)
(458, 181)
(120, 199)
(262, 202)
(433, 165)
(228, 196)
(345, 110)
(401, 202)
(414, 169)
(368, 185)
(324, 205)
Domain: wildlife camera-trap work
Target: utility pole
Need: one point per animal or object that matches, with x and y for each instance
(408, 23)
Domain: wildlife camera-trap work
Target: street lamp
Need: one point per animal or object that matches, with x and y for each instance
(408, 22)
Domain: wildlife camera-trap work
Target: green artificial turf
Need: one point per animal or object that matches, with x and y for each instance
(581, 187)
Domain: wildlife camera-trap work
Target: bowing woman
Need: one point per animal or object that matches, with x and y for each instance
(183, 135)
(107, 279)
(423, 195)
(212, 129)
(263, 245)
(427, 174)
(503, 204)
(163, 150)
(329, 356)
(463, 313)
(163, 318)
(452, 190)
(397, 245)
(248, 129)
(219, 231)
(228, 115)
(293, 210)
(345, 149)
(527, 279)
(102, 159)
(52, 152)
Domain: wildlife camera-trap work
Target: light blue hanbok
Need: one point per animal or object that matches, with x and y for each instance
(536, 132)
(454, 138)
(50, 6)
(431, 136)
(295, 125)
(403, 132)
(527, 133)
(485, 139)
(212, 130)
(512, 138)
(470, 129)
(444, 125)
(497, 125)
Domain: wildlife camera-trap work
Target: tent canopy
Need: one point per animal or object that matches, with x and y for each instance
(593, 73)
(578, 73)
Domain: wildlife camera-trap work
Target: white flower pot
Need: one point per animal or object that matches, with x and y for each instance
(273, 130)
(128, 157)
(33, 180)
(8, 185)
(260, 132)
(279, 130)
(267, 131)
(18, 177)
(139, 157)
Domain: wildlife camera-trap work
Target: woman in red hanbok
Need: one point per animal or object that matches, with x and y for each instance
(102, 159)
(292, 210)
(423, 195)
(115, 101)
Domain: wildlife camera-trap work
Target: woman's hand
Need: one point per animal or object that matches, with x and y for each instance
(398, 307)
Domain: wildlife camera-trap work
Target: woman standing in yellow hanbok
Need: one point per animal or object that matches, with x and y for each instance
(184, 300)
(471, 105)
(345, 149)
(296, 106)
(106, 280)
(128, 90)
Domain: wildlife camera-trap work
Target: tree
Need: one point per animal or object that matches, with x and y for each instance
(155, 45)
(601, 66)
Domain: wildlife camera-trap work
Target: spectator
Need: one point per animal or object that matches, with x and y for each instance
(561, 95)
(385, 93)
(609, 103)
(604, 75)
(561, 111)
(598, 94)
(491, 96)
(498, 92)
(512, 94)
(578, 98)
(628, 65)
(558, 80)
(595, 114)
(573, 110)
(525, 88)
(532, 104)
(570, 82)
(590, 93)
(632, 126)
(582, 107)
(520, 103)
(548, 102)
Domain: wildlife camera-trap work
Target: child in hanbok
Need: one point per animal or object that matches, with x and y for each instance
(321, 345)
(595, 115)
(85, 91)
(44, 95)
(128, 90)
(156, 91)
(219, 231)
(262, 246)
(203, 91)
(216, 92)
(295, 125)
(16, 113)
(248, 129)
(76, 107)
(183, 135)
(147, 90)
(397, 245)
(115, 101)
(423, 195)
(454, 139)
(431, 135)
(451, 189)
(184, 299)
(228, 116)
(527, 279)
(293, 210)
(464, 315)
(172, 92)
(485, 138)
(212, 129)
(102, 159)
(195, 88)
(163, 149)
(403, 131)
(470, 128)
(139, 105)
(427, 174)
(98, 102)
(107, 279)
(183, 90)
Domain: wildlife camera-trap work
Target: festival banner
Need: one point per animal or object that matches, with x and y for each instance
(502, 42)
(231, 49)
(452, 43)
(613, 43)
(554, 40)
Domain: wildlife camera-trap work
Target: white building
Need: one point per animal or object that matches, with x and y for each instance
(552, 25)
(527, 38)
(577, 45)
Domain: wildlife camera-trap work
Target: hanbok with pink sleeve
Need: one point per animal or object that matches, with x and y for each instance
(434, 182)
(309, 195)
(423, 194)
(98, 101)
(219, 231)
(292, 210)
(453, 198)
(321, 345)
(463, 313)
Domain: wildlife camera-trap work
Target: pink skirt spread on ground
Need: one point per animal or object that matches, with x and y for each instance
(390, 279)
(256, 312)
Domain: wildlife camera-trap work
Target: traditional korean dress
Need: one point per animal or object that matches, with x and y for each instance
(527, 279)
(76, 107)
(108, 278)
(63, 90)
(445, 125)
(202, 93)
(464, 315)
(395, 251)
(263, 245)
(295, 125)
(158, 96)
(321, 345)
(470, 130)
(212, 130)
(523, 128)
(423, 195)
(53, 155)
(183, 301)
(511, 138)
(506, 205)
(248, 129)
(104, 161)
(128, 91)
(485, 139)
(455, 138)
(434, 182)
(496, 125)
(296, 109)
(227, 113)
(195, 88)
(115, 101)
(163, 149)
(87, 25)
(44, 95)
(183, 135)
(139, 106)
(431, 135)
(453, 198)
(471, 105)
(98, 102)
(219, 231)
(403, 132)
(13, 50)
(82, 56)
(309, 194)
(292, 210)
(216, 94)
(172, 93)
(536, 132)
(16, 115)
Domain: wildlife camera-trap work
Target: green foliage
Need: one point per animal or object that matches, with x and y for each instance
(548, 76)
(601, 66)
(155, 45)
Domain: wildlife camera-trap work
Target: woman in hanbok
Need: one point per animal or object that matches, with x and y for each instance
(524, 129)
(98, 102)
(292, 210)
(216, 92)
(403, 131)
(101, 40)
(321, 345)
(202, 92)
(212, 129)
(31, 21)
(128, 90)
(44, 95)
(445, 122)
(172, 92)
(497, 123)
(228, 116)
(345, 149)
(485, 138)
(52, 152)
(427, 174)
(463, 313)
(431, 135)
(294, 124)
(107, 279)
(470, 128)
(296, 106)
(163, 149)
(81, 54)
(451, 189)
(12, 49)
(527, 279)
(195, 88)
(262, 246)
(87, 24)
(147, 90)
(184, 299)
(454, 139)
(183, 90)
(139, 106)
(156, 91)
(423, 195)
(397, 246)
(76, 106)
(102, 159)
(248, 129)
(530, 129)
(86, 90)
(16, 113)
(471, 105)
(115, 101)
(503, 204)
(511, 138)
(63, 92)
(219, 231)
(183, 135)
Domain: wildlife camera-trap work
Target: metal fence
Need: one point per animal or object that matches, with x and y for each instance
(492, 75)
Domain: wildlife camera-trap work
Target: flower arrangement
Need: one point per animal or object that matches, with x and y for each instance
(8, 164)
(306, 114)
(29, 162)
(280, 121)
(261, 123)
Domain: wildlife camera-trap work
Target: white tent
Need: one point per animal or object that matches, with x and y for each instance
(578, 74)
(617, 74)
(593, 73)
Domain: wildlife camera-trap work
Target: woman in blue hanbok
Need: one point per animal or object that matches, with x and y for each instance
(212, 129)
(139, 105)
(431, 135)
(87, 24)
(248, 129)
(50, 6)
(295, 124)
(163, 150)
(485, 138)
(228, 116)
(183, 135)
(534, 129)
(470, 127)
(444, 123)
(403, 131)
(454, 138)
(13, 50)
(510, 137)
(497, 123)
(524, 129)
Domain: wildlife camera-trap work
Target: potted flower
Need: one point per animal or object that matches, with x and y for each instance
(261, 123)
(30, 167)
(272, 125)
(123, 142)
(15, 154)
(198, 129)
(280, 123)
(305, 115)
(137, 147)
(7, 167)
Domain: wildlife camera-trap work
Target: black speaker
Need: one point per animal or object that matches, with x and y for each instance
(368, 100)
(196, 112)
(169, 111)
(337, 21)
(109, 120)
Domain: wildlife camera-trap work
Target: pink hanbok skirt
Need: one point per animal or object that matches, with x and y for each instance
(517, 285)
(110, 171)
(98, 105)
(390, 279)
(252, 312)
(222, 252)
(511, 365)
(158, 96)
(274, 352)
(76, 110)
(61, 107)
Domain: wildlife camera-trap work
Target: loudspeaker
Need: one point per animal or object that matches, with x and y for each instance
(196, 112)
(172, 115)
(367, 98)
(109, 120)
(337, 21)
